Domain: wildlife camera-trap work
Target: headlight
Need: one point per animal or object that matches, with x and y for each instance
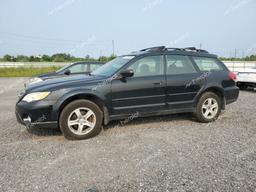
(35, 96)
(34, 80)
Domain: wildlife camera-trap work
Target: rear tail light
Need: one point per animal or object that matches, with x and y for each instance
(232, 76)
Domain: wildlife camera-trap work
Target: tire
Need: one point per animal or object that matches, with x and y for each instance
(203, 106)
(81, 119)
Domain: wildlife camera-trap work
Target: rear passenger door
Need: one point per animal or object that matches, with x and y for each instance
(182, 81)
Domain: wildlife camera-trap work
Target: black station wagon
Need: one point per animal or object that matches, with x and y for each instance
(153, 81)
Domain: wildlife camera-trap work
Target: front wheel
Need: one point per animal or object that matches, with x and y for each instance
(208, 107)
(80, 119)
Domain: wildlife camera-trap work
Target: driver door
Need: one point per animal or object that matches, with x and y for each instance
(145, 91)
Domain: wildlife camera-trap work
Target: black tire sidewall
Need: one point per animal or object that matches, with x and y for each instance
(63, 120)
(202, 99)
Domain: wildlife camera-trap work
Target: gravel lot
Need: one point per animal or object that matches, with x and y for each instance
(168, 153)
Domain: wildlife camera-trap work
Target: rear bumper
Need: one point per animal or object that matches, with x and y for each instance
(231, 94)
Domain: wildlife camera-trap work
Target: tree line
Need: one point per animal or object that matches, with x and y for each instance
(247, 58)
(63, 57)
(59, 57)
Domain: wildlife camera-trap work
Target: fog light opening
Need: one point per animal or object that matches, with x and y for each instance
(27, 119)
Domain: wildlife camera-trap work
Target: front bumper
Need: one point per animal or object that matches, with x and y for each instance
(36, 114)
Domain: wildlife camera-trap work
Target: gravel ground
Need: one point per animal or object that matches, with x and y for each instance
(168, 153)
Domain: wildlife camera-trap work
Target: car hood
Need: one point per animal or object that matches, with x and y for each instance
(64, 82)
(47, 74)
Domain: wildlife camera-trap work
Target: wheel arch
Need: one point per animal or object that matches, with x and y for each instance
(88, 96)
(214, 89)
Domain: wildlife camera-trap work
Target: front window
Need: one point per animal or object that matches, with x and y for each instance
(94, 66)
(113, 66)
(78, 68)
(64, 68)
(148, 66)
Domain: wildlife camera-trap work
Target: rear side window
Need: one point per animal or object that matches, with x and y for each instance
(208, 64)
(178, 64)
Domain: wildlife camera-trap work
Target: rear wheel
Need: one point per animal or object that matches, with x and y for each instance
(80, 119)
(208, 107)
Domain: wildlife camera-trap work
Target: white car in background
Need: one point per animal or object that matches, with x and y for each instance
(247, 78)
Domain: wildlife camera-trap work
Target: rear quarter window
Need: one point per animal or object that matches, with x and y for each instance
(208, 64)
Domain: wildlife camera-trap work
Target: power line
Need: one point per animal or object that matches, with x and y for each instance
(48, 39)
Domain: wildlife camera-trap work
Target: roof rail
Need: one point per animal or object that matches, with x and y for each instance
(190, 48)
(163, 48)
(159, 48)
(195, 49)
(187, 49)
(202, 50)
(174, 48)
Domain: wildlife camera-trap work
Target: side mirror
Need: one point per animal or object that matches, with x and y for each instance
(127, 73)
(67, 72)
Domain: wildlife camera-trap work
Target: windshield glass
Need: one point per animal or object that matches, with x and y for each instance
(111, 67)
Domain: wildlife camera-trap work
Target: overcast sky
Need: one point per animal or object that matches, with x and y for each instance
(81, 27)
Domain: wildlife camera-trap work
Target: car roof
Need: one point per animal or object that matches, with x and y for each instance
(189, 51)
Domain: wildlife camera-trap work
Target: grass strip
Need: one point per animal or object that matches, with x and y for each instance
(25, 72)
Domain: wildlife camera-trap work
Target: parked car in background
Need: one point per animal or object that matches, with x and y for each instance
(150, 82)
(246, 78)
(70, 69)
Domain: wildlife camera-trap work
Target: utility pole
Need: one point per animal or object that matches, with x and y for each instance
(113, 47)
(100, 55)
(200, 46)
(235, 52)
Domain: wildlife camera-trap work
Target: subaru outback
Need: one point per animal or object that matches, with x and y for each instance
(150, 82)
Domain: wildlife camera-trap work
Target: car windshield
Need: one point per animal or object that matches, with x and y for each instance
(111, 67)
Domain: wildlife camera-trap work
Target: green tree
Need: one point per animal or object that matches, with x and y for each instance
(7, 58)
(22, 58)
(61, 57)
(46, 58)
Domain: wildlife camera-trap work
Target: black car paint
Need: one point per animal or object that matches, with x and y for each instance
(153, 95)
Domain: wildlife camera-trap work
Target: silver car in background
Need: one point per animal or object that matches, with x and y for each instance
(247, 78)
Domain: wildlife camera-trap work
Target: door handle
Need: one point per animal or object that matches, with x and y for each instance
(158, 83)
